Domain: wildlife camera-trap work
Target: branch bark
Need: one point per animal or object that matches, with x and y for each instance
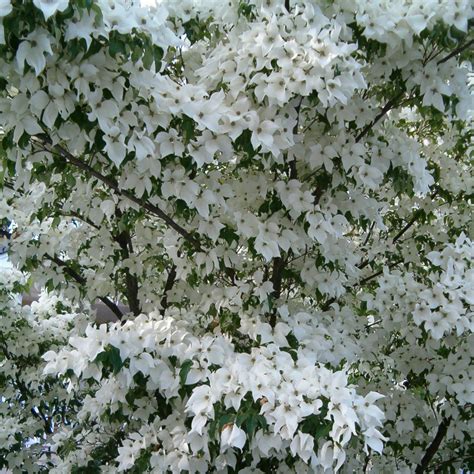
(456, 51)
(131, 282)
(168, 286)
(82, 281)
(151, 208)
(433, 447)
(406, 228)
(277, 276)
(386, 108)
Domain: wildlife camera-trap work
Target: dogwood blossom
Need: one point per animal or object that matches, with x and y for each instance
(239, 236)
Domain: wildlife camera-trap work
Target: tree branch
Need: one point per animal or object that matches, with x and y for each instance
(168, 286)
(82, 281)
(81, 218)
(386, 108)
(369, 234)
(456, 51)
(434, 446)
(406, 227)
(131, 282)
(114, 186)
(392, 103)
(330, 301)
(292, 163)
(277, 276)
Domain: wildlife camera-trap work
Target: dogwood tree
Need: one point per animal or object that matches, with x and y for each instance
(279, 195)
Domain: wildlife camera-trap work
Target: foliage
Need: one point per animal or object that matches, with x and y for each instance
(279, 194)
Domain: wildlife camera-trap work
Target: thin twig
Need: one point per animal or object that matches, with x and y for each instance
(369, 234)
(455, 52)
(406, 227)
(376, 274)
(392, 103)
(330, 301)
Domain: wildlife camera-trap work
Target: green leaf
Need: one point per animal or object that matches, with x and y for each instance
(184, 371)
(187, 126)
(110, 358)
(228, 234)
(225, 419)
(157, 57)
(250, 420)
(292, 341)
(117, 46)
(316, 426)
(148, 58)
(253, 422)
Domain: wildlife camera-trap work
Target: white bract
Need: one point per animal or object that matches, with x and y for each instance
(242, 233)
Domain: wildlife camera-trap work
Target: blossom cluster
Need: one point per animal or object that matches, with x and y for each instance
(273, 395)
(272, 200)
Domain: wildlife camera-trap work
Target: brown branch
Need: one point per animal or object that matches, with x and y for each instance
(409, 224)
(168, 286)
(292, 163)
(330, 301)
(81, 218)
(277, 276)
(82, 281)
(433, 447)
(369, 234)
(456, 51)
(155, 210)
(438, 468)
(376, 274)
(392, 103)
(131, 282)
(413, 220)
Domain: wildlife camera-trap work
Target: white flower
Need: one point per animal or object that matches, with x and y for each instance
(262, 134)
(302, 445)
(201, 400)
(374, 439)
(437, 324)
(370, 176)
(330, 452)
(170, 143)
(127, 455)
(33, 49)
(115, 148)
(5, 9)
(50, 7)
(232, 436)
(464, 391)
(81, 28)
(207, 112)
